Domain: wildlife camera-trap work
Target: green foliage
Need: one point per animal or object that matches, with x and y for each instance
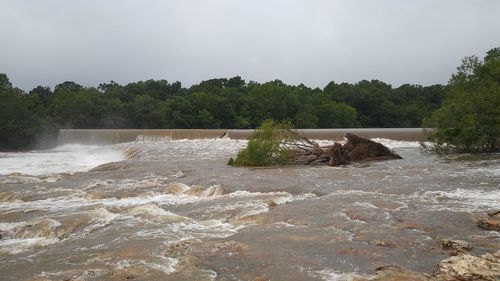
(379, 105)
(469, 120)
(22, 122)
(336, 115)
(145, 112)
(4, 83)
(42, 93)
(266, 146)
(217, 103)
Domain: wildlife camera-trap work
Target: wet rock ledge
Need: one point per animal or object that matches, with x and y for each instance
(463, 267)
(460, 267)
(490, 222)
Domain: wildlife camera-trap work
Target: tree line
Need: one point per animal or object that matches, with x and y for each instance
(214, 103)
(465, 113)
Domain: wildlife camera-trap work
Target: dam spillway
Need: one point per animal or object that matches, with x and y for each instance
(113, 136)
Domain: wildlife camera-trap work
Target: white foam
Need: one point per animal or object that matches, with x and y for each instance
(62, 159)
(332, 275)
(199, 149)
(462, 200)
(101, 217)
(20, 237)
(397, 144)
(214, 190)
(168, 265)
(492, 172)
(163, 148)
(191, 229)
(16, 246)
(6, 226)
(148, 138)
(281, 224)
(153, 213)
(328, 274)
(63, 203)
(366, 205)
(468, 199)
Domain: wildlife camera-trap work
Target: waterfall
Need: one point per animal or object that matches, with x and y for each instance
(113, 136)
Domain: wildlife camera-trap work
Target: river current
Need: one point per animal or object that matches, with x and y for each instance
(160, 209)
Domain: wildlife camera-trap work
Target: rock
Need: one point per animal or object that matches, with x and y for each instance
(262, 277)
(466, 267)
(454, 247)
(383, 243)
(212, 191)
(232, 247)
(495, 214)
(490, 222)
(395, 273)
(361, 149)
(463, 267)
(177, 249)
(176, 188)
(195, 190)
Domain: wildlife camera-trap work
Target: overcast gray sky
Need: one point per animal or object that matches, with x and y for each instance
(45, 42)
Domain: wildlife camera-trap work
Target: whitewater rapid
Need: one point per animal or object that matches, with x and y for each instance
(161, 209)
(70, 158)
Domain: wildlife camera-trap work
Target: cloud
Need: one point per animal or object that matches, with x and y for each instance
(297, 41)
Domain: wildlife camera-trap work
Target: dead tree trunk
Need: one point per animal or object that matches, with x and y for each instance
(307, 152)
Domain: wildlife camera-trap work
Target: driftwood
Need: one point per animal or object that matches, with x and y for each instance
(307, 152)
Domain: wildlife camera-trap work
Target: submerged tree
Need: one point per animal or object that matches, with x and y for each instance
(277, 144)
(469, 120)
(267, 146)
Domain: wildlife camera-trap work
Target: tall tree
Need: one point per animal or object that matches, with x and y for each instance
(469, 120)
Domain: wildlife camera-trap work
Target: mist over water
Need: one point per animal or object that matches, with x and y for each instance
(68, 158)
(163, 209)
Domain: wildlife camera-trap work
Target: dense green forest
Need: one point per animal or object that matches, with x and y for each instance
(465, 112)
(215, 103)
(469, 120)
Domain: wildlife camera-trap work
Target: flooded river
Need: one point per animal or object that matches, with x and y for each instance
(162, 209)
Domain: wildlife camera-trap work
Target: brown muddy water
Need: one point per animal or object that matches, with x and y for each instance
(175, 211)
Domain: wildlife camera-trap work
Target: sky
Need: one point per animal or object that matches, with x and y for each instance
(46, 42)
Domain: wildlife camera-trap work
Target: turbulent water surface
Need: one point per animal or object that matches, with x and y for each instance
(173, 210)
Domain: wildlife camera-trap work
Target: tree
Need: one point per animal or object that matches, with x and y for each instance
(235, 82)
(306, 117)
(266, 146)
(42, 93)
(336, 115)
(22, 123)
(71, 107)
(469, 120)
(70, 85)
(145, 112)
(4, 82)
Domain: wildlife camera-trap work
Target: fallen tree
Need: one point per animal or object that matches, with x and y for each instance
(274, 144)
